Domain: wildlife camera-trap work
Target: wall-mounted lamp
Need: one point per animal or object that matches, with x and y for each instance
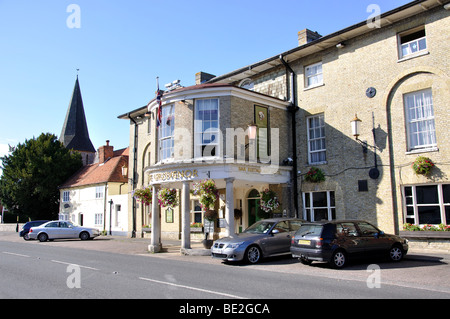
(374, 173)
(356, 126)
(124, 171)
(252, 128)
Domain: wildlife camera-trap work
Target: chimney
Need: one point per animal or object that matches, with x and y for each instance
(105, 152)
(202, 77)
(305, 36)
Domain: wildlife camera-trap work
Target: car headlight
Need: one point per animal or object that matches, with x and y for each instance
(234, 245)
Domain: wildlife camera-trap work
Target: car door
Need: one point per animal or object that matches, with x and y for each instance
(376, 244)
(349, 238)
(66, 230)
(279, 241)
(52, 230)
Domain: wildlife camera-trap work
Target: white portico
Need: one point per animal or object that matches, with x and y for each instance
(228, 178)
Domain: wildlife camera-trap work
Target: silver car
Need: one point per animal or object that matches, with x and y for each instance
(265, 238)
(59, 229)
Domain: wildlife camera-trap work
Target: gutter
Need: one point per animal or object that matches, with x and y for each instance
(293, 108)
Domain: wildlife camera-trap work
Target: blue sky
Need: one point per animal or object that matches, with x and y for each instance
(122, 46)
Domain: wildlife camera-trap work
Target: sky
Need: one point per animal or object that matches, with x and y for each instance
(120, 47)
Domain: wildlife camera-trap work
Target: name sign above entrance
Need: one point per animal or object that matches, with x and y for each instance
(175, 175)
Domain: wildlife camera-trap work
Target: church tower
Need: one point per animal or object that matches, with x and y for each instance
(74, 134)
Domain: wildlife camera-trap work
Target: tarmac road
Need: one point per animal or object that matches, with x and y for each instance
(426, 272)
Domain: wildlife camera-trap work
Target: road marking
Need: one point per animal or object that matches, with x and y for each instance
(192, 288)
(14, 254)
(64, 263)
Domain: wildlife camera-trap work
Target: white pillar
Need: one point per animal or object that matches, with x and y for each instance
(185, 217)
(229, 206)
(155, 246)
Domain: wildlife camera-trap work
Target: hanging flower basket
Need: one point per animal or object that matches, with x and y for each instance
(208, 193)
(211, 214)
(269, 201)
(315, 175)
(422, 165)
(143, 195)
(167, 197)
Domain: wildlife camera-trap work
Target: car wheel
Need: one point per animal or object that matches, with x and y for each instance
(253, 254)
(396, 253)
(338, 259)
(26, 236)
(43, 237)
(84, 236)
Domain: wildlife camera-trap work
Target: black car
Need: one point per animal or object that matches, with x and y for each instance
(338, 240)
(26, 228)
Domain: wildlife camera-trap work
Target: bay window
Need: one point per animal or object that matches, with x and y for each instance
(166, 133)
(206, 128)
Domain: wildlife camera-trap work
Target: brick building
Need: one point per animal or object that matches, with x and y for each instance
(392, 73)
(395, 77)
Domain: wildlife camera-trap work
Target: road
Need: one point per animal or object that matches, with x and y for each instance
(63, 270)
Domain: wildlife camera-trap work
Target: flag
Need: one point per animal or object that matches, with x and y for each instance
(158, 114)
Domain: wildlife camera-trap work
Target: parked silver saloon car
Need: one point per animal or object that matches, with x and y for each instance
(265, 238)
(59, 229)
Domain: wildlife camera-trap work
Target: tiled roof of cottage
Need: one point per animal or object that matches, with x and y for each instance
(98, 173)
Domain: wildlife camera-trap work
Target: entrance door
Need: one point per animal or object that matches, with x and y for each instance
(253, 207)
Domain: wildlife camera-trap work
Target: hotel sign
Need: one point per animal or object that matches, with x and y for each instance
(176, 175)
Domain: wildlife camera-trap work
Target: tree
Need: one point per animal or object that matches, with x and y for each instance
(32, 174)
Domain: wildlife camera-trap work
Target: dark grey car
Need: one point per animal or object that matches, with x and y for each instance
(267, 237)
(338, 240)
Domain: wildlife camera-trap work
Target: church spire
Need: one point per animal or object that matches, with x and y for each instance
(75, 134)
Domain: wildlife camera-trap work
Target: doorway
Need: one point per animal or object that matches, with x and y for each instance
(253, 207)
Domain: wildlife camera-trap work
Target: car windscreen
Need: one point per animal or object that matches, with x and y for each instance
(311, 229)
(261, 227)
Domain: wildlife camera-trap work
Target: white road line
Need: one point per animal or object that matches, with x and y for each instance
(192, 288)
(65, 263)
(14, 254)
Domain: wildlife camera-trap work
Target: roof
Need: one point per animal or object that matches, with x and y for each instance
(325, 42)
(75, 134)
(100, 173)
(183, 92)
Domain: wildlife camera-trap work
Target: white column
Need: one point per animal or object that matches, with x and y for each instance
(155, 246)
(185, 217)
(229, 206)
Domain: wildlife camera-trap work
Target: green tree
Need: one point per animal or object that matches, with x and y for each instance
(32, 174)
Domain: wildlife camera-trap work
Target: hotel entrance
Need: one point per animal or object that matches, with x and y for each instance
(253, 207)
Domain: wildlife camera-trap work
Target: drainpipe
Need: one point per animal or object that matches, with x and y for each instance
(133, 232)
(293, 108)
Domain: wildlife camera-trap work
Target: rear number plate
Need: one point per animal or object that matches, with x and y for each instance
(304, 242)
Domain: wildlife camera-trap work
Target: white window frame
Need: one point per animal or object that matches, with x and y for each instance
(420, 44)
(99, 191)
(412, 202)
(313, 138)
(419, 115)
(66, 196)
(203, 128)
(329, 207)
(98, 219)
(313, 71)
(166, 112)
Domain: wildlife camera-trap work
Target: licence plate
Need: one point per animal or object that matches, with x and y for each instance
(304, 242)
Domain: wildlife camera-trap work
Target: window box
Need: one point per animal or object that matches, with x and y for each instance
(425, 234)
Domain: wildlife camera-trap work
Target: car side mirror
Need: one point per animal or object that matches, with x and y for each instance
(275, 231)
(377, 235)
